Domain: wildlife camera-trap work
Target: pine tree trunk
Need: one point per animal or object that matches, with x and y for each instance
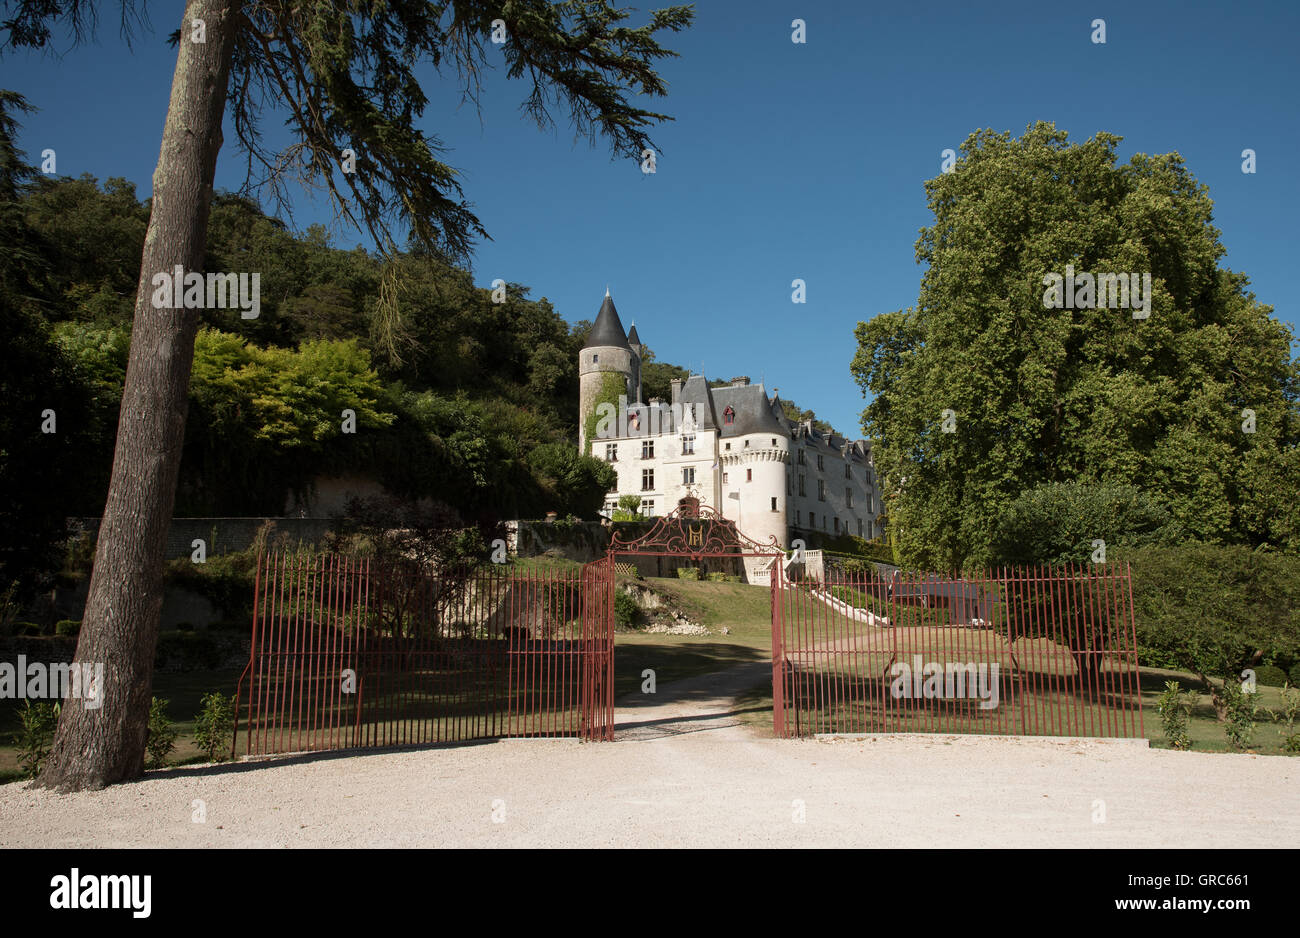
(97, 747)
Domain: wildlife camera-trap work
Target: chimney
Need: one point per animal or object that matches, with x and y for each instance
(676, 385)
(740, 382)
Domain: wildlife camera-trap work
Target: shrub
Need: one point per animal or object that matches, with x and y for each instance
(717, 576)
(1241, 712)
(688, 573)
(1056, 522)
(626, 611)
(1287, 717)
(33, 740)
(1175, 707)
(214, 725)
(1213, 610)
(67, 627)
(1293, 676)
(27, 629)
(162, 735)
(1269, 676)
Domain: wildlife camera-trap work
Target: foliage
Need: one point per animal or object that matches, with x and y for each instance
(612, 386)
(577, 482)
(688, 573)
(1290, 712)
(1241, 714)
(1175, 708)
(626, 610)
(629, 508)
(33, 739)
(409, 544)
(1056, 523)
(162, 735)
(215, 725)
(1215, 610)
(1270, 676)
(67, 627)
(227, 581)
(1089, 395)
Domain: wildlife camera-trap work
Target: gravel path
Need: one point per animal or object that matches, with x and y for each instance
(685, 772)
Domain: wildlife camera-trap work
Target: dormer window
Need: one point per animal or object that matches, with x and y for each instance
(595, 356)
(729, 416)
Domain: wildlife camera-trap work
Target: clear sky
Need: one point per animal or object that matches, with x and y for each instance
(786, 161)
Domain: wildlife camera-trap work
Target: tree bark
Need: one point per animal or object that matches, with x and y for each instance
(94, 747)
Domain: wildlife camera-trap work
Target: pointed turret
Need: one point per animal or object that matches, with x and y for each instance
(607, 332)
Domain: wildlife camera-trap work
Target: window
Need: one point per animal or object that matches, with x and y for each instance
(595, 357)
(821, 491)
(729, 416)
(747, 444)
(821, 461)
(648, 449)
(789, 486)
(773, 441)
(837, 525)
(724, 478)
(647, 480)
(871, 504)
(823, 522)
(859, 527)
(803, 490)
(688, 444)
(797, 522)
(728, 445)
(688, 475)
(848, 474)
(803, 460)
(749, 475)
(611, 452)
(848, 497)
(774, 503)
(648, 507)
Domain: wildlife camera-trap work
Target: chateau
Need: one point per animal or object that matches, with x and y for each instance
(731, 447)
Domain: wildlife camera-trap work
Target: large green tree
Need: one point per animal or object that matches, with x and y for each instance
(347, 76)
(984, 390)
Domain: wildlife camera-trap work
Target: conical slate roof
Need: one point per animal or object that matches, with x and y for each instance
(632, 337)
(608, 329)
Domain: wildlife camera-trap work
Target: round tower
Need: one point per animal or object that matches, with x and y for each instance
(606, 353)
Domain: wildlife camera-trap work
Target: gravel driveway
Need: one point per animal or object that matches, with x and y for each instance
(684, 772)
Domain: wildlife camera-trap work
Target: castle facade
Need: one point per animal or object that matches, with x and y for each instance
(731, 447)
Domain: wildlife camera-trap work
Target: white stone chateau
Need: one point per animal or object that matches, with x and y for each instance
(731, 447)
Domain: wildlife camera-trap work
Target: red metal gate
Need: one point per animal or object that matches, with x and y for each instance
(1027, 652)
(347, 656)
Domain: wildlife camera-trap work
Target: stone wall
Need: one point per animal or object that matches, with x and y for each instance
(224, 535)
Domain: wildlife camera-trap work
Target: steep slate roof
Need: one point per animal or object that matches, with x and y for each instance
(632, 337)
(607, 332)
(696, 391)
(753, 410)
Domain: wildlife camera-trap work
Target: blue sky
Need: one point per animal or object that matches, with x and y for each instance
(786, 161)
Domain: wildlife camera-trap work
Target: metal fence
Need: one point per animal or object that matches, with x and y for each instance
(1028, 652)
(346, 655)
